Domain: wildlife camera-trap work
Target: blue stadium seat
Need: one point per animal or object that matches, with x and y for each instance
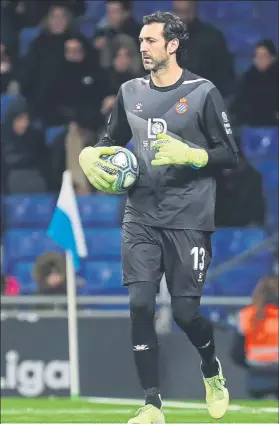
(95, 10)
(26, 36)
(27, 244)
(87, 27)
(229, 242)
(95, 210)
(24, 210)
(6, 100)
(269, 171)
(241, 38)
(141, 8)
(234, 10)
(267, 12)
(103, 276)
(260, 146)
(242, 279)
(260, 141)
(23, 273)
(214, 11)
(53, 132)
(271, 209)
(103, 243)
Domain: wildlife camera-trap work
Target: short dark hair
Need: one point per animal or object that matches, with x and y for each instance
(173, 28)
(268, 45)
(126, 4)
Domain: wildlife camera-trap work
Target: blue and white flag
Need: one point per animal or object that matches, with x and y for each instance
(66, 227)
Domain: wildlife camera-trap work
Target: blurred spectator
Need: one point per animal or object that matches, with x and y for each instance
(64, 153)
(255, 344)
(207, 52)
(77, 7)
(28, 13)
(118, 20)
(126, 62)
(256, 101)
(79, 88)
(8, 83)
(9, 30)
(12, 286)
(24, 154)
(244, 202)
(49, 273)
(39, 67)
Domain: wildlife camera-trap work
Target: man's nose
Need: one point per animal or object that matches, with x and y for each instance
(143, 47)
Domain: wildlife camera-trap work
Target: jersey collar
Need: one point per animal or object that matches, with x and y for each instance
(169, 87)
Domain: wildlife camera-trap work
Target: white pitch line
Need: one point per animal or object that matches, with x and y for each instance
(80, 412)
(65, 411)
(180, 405)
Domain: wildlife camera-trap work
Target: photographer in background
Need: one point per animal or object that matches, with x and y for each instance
(255, 344)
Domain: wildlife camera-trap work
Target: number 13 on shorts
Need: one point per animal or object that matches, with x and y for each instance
(199, 256)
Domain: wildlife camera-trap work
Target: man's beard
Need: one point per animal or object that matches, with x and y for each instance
(155, 65)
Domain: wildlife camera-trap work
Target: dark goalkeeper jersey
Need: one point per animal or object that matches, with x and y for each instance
(191, 110)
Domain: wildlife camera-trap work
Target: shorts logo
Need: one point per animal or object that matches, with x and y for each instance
(182, 106)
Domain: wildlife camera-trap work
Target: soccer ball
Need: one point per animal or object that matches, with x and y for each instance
(128, 169)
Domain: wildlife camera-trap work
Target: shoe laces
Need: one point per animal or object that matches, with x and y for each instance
(216, 385)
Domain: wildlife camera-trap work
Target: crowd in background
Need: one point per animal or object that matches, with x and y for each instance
(67, 78)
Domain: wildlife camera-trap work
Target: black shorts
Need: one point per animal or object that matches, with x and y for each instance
(183, 255)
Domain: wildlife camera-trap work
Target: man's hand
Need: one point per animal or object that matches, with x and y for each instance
(174, 152)
(100, 173)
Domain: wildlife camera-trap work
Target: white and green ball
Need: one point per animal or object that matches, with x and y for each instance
(128, 169)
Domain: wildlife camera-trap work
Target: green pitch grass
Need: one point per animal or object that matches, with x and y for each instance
(58, 411)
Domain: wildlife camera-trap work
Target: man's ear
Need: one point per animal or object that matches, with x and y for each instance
(173, 45)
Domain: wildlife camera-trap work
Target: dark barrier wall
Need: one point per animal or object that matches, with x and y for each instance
(34, 360)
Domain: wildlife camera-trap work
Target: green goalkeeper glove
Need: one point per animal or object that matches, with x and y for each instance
(174, 152)
(100, 173)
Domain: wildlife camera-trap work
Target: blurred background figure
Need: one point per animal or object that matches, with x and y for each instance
(24, 153)
(245, 202)
(8, 82)
(126, 62)
(207, 51)
(39, 67)
(256, 342)
(78, 87)
(64, 152)
(49, 273)
(118, 20)
(256, 100)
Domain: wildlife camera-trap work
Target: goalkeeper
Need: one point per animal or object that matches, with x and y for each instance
(181, 135)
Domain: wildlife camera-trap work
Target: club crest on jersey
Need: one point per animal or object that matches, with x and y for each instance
(182, 106)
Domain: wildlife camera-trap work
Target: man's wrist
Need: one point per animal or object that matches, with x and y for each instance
(198, 158)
